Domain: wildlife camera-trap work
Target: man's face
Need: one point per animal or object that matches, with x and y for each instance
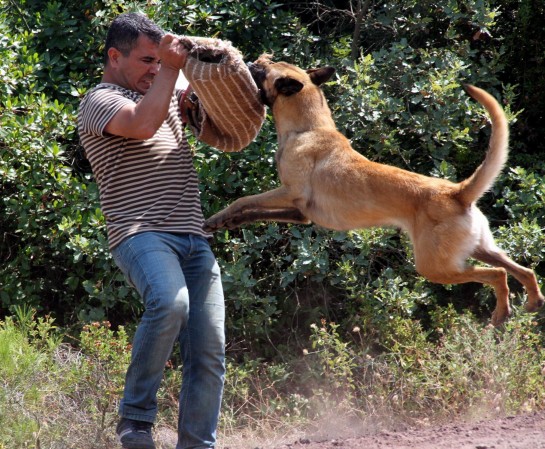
(137, 70)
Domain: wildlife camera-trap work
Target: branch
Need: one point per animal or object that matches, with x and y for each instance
(361, 12)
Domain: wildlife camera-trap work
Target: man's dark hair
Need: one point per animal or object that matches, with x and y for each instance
(126, 28)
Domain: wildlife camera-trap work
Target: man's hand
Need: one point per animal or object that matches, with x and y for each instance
(172, 53)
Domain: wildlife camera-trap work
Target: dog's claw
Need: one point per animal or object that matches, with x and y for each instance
(210, 226)
(498, 318)
(535, 305)
(216, 223)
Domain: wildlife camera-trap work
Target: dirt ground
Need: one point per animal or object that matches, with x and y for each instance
(513, 432)
(525, 431)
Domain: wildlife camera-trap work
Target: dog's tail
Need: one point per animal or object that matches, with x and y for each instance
(482, 179)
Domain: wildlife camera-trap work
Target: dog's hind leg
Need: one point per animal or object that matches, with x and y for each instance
(441, 255)
(495, 277)
(497, 258)
(488, 252)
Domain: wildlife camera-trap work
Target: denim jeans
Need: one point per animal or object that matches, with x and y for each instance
(179, 281)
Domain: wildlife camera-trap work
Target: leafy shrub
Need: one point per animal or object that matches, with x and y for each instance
(466, 369)
(520, 25)
(107, 357)
(24, 367)
(399, 101)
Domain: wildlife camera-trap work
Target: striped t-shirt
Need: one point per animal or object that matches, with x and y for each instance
(144, 185)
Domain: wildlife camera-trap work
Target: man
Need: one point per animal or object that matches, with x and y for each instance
(132, 133)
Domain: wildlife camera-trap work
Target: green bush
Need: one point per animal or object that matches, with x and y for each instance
(399, 101)
(521, 29)
(25, 367)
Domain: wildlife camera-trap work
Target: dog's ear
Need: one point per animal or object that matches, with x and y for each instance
(288, 86)
(321, 75)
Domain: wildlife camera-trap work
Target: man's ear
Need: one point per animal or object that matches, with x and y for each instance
(113, 55)
(288, 86)
(321, 75)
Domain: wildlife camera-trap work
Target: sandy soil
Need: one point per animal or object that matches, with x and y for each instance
(513, 432)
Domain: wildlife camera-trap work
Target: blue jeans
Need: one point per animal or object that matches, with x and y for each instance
(179, 281)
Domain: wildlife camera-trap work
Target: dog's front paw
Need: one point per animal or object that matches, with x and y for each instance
(212, 224)
(219, 221)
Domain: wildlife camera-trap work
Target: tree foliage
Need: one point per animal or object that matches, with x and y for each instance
(397, 95)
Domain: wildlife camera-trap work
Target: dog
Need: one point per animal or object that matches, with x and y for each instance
(325, 181)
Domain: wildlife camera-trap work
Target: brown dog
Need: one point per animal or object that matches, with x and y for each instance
(325, 181)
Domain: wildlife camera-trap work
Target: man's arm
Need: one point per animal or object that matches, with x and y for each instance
(142, 120)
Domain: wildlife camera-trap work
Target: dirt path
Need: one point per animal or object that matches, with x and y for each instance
(515, 432)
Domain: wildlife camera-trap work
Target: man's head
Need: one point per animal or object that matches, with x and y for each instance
(125, 30)
(131, 53)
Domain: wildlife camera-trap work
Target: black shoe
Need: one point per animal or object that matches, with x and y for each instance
(135, 434)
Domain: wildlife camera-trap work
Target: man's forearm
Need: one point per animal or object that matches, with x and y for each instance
(152, 110)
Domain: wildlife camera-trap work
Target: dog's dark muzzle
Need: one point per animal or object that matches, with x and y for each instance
(258, 74)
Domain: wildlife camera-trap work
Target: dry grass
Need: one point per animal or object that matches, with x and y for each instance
(55, 396)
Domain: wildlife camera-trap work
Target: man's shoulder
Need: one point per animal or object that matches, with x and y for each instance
(104, 97)
(108, 89)
(100, 104)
